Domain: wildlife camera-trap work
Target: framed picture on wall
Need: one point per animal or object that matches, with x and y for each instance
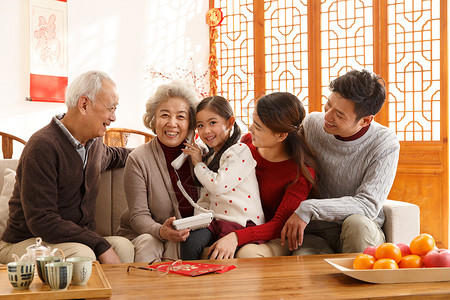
(48, 50)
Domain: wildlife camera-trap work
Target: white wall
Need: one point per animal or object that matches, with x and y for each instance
(122, 38)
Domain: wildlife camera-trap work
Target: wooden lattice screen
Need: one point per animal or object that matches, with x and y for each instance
(346, 39)
(235, 51)
(300, 46)
(414, 66)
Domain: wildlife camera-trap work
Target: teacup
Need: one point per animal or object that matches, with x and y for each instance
(59, 275)
(21, 274)
(40, 265)
(82, 269)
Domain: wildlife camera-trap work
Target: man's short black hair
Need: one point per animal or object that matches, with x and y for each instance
(364, 88)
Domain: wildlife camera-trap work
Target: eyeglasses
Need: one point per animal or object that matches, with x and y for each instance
(111, 110)
(162, 269)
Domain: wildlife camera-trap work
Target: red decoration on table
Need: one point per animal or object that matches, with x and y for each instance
(193, 269)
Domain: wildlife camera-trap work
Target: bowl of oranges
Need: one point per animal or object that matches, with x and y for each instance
(419, 261)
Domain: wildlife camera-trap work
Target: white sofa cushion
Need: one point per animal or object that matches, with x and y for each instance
(9, 178)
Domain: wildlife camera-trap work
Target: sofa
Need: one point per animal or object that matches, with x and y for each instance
(110, 201)
(402, 219)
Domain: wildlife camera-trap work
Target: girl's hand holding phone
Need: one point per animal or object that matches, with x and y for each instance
(194, 151)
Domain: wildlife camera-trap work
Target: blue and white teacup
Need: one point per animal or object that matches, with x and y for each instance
(21, 274)
(59, 275)
(41, 262)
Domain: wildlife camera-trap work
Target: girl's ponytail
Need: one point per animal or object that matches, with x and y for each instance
(233, 139)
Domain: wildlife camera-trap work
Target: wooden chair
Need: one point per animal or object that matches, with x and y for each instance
(119, 137)
(7, 144)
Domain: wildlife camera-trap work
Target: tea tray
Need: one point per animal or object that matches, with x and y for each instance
(97, 287)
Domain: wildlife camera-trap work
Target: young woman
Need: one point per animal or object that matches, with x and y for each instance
(285, 171)
(227, 174)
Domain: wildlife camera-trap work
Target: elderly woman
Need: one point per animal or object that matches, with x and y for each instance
(154, 199)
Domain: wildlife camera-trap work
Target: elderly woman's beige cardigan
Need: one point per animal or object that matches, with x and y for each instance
(149, 191)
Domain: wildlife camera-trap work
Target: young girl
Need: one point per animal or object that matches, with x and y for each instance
(285, 171)
(227, 174)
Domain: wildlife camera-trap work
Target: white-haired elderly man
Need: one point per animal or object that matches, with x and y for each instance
(57, 178)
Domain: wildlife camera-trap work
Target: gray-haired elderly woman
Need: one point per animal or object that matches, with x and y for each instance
(154, 199)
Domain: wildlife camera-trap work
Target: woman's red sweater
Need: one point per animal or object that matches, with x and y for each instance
(279, 198)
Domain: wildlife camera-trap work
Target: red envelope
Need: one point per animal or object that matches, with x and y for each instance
(192, 269)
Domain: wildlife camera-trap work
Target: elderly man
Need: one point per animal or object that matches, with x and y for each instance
(58, 178)
(357, 161)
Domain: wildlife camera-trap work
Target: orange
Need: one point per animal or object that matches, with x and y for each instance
(385, 263)
(363, 261)
(422, 244)
(411, 261)
(389, 250)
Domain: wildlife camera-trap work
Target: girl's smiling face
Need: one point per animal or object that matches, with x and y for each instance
(213, 129)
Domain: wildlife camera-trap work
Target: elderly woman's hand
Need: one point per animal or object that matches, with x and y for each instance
(167, 232)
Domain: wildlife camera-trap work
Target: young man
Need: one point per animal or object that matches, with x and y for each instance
(357, 161)
(58, 178)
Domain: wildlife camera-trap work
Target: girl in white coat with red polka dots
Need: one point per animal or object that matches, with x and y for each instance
(227, 174)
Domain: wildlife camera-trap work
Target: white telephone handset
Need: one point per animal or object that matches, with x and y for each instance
(197, 221)
(179, 161)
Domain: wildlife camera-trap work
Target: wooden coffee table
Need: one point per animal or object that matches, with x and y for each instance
(264, 278)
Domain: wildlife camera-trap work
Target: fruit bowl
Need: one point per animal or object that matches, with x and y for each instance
(345, 265)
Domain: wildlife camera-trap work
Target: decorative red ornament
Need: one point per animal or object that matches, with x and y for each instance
(214, 17)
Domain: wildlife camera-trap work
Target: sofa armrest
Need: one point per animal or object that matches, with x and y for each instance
(402, 222)
(7, 163)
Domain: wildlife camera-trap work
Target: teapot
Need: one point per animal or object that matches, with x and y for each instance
(38, 250)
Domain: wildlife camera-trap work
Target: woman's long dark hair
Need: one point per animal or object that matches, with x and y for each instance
(222, 107)
(284, 112)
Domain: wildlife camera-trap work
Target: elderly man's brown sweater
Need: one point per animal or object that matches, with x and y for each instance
(54, 197)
